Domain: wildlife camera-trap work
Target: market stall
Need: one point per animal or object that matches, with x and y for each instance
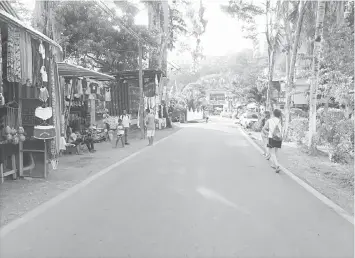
(28, 83)
(125, 92)
(86, 94)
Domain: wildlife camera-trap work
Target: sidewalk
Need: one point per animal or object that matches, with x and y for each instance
(19, 196)
(335, 181)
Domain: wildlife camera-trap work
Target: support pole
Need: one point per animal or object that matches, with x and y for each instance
(141, 92)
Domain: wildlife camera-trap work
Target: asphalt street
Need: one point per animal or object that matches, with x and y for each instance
(203, 192)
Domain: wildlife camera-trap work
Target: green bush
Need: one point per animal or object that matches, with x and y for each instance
(338, 137)
(298, 130)
(256, 127)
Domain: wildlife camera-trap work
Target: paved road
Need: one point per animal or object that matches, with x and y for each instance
(204, 192)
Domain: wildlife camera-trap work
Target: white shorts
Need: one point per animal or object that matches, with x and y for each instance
(150, 133)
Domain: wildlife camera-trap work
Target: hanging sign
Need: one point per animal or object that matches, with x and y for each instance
(149, 87)
(44, 132)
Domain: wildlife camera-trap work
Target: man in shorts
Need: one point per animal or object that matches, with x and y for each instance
(150, 124)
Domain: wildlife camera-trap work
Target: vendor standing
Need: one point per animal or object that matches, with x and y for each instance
(126, 122)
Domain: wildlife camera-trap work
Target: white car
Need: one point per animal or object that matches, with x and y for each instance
(248, 119)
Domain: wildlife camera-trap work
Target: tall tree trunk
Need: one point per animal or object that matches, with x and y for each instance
(272, 57)
(315, 77)
(291, 71)
(154, 26)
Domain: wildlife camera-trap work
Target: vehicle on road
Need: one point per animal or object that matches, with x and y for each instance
(248, 119)
(226, 114)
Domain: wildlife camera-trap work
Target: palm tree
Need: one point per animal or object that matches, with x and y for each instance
(315, 74)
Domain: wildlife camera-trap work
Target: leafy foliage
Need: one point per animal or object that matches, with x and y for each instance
(337, 62)
(90, 37)
(337, 133)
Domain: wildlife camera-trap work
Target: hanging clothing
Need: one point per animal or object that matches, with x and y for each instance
(36, 63)
(62, 143)
(80, 87)
(13, 54)
(43, 94)
(26, 57)
(69, 88)
(44, 113)
(93, 87)
(1, 89)
(107, 94)
(42, 50)
(99, 86)
(44, 74)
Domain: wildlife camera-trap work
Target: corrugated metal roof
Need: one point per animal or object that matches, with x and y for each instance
(70, 70)
(8, 18)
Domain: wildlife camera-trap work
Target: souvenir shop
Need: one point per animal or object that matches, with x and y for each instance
(28, 99)
(125, 95)
(86, 94)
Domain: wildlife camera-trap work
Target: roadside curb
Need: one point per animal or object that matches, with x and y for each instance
(340, 211)
(13, 225)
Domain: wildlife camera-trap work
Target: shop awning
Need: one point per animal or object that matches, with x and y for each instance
(8, 18)
(70, 70)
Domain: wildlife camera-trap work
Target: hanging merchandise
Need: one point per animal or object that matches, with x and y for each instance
(69, 89)
(26, 57)
(93, 87)
(80, 87)
(107, 94)
(44, 74)
(99, 86)
(42, 50)
(1, 89)
(86, 87)
(2, 100)
(13, 55)
(44, 113)
(44, 131)
(43, 94)
(76, 90)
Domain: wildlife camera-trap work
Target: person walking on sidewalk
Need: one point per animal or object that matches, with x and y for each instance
(150, 124)
(120, 133)
(126, 121)
(275, 138)
(265, 133)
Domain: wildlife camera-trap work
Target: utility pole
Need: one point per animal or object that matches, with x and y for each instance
(141, 91)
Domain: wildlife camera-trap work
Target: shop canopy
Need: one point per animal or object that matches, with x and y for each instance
(70, 70)
(8, 18)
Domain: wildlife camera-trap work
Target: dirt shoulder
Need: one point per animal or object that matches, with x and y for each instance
(22, 195)
(335, 181)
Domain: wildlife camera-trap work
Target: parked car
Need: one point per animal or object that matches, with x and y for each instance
(226, 114)
(248, 119)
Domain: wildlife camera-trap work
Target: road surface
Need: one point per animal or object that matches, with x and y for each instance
(203, 192)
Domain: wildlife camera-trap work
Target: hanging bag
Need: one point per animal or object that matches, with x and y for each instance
(277, 134)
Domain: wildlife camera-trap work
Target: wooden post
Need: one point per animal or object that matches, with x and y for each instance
(141, 92)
